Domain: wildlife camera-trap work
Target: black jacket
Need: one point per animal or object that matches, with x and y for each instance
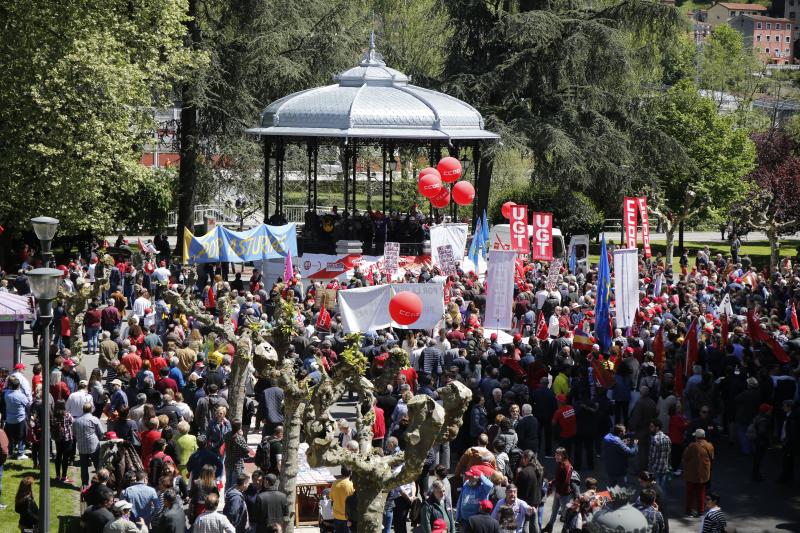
(95, 518)
(529, 485)
(271, 507)
(172, 520)
(482, 523)
(528, 433)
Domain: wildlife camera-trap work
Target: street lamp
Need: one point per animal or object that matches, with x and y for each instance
(464, 164)
(44, 286)
(45, 229)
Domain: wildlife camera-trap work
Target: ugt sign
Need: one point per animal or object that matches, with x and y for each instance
(629, 211)
(542, 237)
(518, 228)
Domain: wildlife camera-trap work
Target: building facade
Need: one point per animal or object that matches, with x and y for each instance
(722, 12)
(771, 37)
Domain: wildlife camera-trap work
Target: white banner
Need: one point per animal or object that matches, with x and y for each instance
(453, 234)
(367, 308)
(500, 289)
(626, 286)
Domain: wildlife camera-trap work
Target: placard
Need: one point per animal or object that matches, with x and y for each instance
(552, 275)
(391, 256)
(446, 260)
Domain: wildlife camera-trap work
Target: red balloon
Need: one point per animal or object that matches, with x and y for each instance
(430, 185)
(450, 169)
(463, 193)
(405, 308)
(428, 170)
(506, 209)
(442, 199)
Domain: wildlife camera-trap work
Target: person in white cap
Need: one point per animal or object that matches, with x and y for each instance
(78, 398)
(122, 522)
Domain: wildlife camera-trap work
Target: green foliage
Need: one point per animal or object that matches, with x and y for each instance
(712, 154)
(352, 356)
(79, 79)
(413, 36)
(560, 79)
(574, 213)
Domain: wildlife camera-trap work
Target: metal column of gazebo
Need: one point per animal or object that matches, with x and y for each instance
(370, 105)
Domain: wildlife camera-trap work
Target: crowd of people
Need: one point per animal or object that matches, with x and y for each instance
(149, 426)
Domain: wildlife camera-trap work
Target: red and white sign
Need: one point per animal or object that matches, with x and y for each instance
(542, 237)
(642, 204)
(518, 228)
(629, 214)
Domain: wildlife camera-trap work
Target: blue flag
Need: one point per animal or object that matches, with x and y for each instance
(602, 307)
(573, 260)
(477, 245)
(485, 241)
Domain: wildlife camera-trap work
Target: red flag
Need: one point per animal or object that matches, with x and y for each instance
(753, 327)
(795, 324)
(691, 347)
(658, 351)
(541, 327)
(448, 287)
(603, 376)
(324, 319)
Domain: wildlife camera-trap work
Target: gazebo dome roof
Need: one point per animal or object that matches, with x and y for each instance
(372, 100)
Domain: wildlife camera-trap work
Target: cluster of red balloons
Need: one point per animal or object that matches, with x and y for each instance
(506, 209)
(405, 308)
(431, 184)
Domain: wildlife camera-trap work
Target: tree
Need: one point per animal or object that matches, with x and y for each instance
(80, 81)
(77, 303)
(557, 77)
(704, 159)
(373, 475)
(774, 190)
(258, 52)
(727, 69)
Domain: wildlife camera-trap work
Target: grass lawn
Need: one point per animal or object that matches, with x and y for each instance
(64, 501)
(758, 251)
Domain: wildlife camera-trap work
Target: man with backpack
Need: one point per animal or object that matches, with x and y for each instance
(269, 454)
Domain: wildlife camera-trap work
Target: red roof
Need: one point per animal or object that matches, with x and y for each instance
(743, 7)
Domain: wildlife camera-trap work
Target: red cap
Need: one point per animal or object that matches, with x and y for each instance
(486, 505)
(110, 435)
(562, 398)
(493, 336)
(69, 362)
(765, 408)
(473, 472)
(19, 366)
(517, 337)
(628, 350)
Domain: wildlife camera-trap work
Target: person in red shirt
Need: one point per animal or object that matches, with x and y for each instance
(132, 362)
(565, 423)
(36, 380)
(157, 362)
(165, 382)
(378, 426)
(148, 437)
(410, 376)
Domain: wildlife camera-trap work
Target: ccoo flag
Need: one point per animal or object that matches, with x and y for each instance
(603, 304)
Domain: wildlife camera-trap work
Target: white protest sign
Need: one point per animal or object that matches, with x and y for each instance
(446, 260)
(500, 294)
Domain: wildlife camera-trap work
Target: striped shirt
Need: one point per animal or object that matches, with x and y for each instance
(88, 433)
(714, 521)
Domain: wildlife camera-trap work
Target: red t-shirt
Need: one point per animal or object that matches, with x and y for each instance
(567, 423)
(156, 364)
(132, 362)
(411, 377)
(148, 438)
(379, 426)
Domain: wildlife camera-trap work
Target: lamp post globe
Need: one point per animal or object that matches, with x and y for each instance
(45, 229)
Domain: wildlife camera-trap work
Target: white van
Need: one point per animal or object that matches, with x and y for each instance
(500, 239)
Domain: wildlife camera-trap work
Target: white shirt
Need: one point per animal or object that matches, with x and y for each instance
(24, 384)
(139, 305)
(162, 274)
(75, 402)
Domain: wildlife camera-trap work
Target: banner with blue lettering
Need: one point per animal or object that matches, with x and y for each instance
(222, 245)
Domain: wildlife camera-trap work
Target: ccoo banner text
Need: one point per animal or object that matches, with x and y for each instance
(221, 245)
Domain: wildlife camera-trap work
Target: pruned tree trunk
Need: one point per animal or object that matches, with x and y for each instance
(774, 247)
(669, 229)
(238, 376)
(77, 303)
(293, 428)
(371, 499)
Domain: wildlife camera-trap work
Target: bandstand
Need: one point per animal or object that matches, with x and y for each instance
(371, 106)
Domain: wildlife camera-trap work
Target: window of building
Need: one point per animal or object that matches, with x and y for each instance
(777, 25)
(769, 25)
(791, 2)
(788, 39)
(758, 38)
(733, 13)
(758, 25)
(792, 15)
(766, 50)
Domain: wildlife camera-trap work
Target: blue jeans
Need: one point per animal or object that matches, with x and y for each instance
(387, 521)
(91, 339)
(85, 459)
(340, 526)
(559, 506)
(744, 442)
(661, 479)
